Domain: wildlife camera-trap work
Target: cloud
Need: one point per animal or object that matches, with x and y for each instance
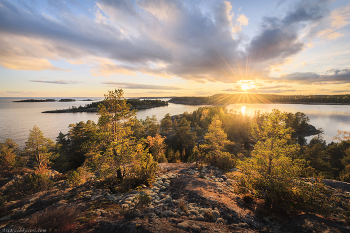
(141, 86)
(243, 20)
(20, 92)
(128, 37)
(280, 38)
(328, 27)
(330, 77)
(55, 81)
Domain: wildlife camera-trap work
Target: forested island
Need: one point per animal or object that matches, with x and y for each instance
(45, 100)
(67, 100)
(200, 171)
(222, 99)
(35, 100)
(134, 104)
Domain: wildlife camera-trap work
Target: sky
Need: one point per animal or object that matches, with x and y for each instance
(163, 48)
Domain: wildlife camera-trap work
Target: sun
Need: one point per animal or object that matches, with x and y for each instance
(245, 86)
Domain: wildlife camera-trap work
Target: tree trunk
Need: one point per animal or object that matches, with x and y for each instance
(119, 174)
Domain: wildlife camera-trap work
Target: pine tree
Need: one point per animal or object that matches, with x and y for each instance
(39, 147)
(215, 146)
(166, 123)
(271, 170)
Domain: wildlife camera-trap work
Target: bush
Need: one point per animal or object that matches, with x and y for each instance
(224, 161)
(345, 174)
(142, 201)
(9, 158)
(60, 219)
(77, 177)
(32, 183)
(142, 172)
(247, 198)
(183, 206)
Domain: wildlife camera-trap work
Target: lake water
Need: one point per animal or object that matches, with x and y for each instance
(16, 119)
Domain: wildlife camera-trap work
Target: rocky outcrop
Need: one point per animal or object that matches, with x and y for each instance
(184, 198)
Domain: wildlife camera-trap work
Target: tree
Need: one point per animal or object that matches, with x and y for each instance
(82, 138)
(39, 147)
(157, 146)
(113, 109)
(215, 146)
(8, 154)
(271, 170)
(184, 138)
(151, 125)
(166, 123)
(117, 148)
(317, 157)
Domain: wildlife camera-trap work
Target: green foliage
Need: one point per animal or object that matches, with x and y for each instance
(166, 124)
(270, 169)
(38, 147)
(345, 174)
(82, 139)
(137, 128)
(215, 147)
(9, 158)
(272, 172)
(77, 177)
(151, 125)
(30, 184)
(143, 170)
(184, 138)
(113, 109)
(316, 156)
(171, 156)
(156, 147)
(142, 201)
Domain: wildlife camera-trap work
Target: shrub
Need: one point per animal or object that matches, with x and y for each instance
(209, 215)
(247, 198)
(224, 161)
(32, 183)
(77, 177)
(345, 174)
(61, 219)
(141, 201)
(9, 159)
(183, 206)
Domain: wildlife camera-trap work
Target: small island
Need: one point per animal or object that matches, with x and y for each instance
(36, 100)
(93, 107)
(66, 100)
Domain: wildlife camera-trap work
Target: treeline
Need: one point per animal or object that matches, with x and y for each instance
(134, 104)
(222, 99)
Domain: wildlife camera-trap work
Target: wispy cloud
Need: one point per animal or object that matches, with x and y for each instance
(330, 77)
(55, 81)
(21, 92)
(141, 86)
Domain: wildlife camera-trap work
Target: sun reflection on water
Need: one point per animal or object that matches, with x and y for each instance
(243, 109)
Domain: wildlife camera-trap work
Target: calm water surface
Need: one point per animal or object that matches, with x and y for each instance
(16, 119)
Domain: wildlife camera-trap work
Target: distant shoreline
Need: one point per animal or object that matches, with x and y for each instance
(306, 103)
(93, 107)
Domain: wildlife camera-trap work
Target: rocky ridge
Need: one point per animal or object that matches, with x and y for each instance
(183, 199)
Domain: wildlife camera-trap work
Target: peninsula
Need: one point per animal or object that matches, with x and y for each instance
(93, 107)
